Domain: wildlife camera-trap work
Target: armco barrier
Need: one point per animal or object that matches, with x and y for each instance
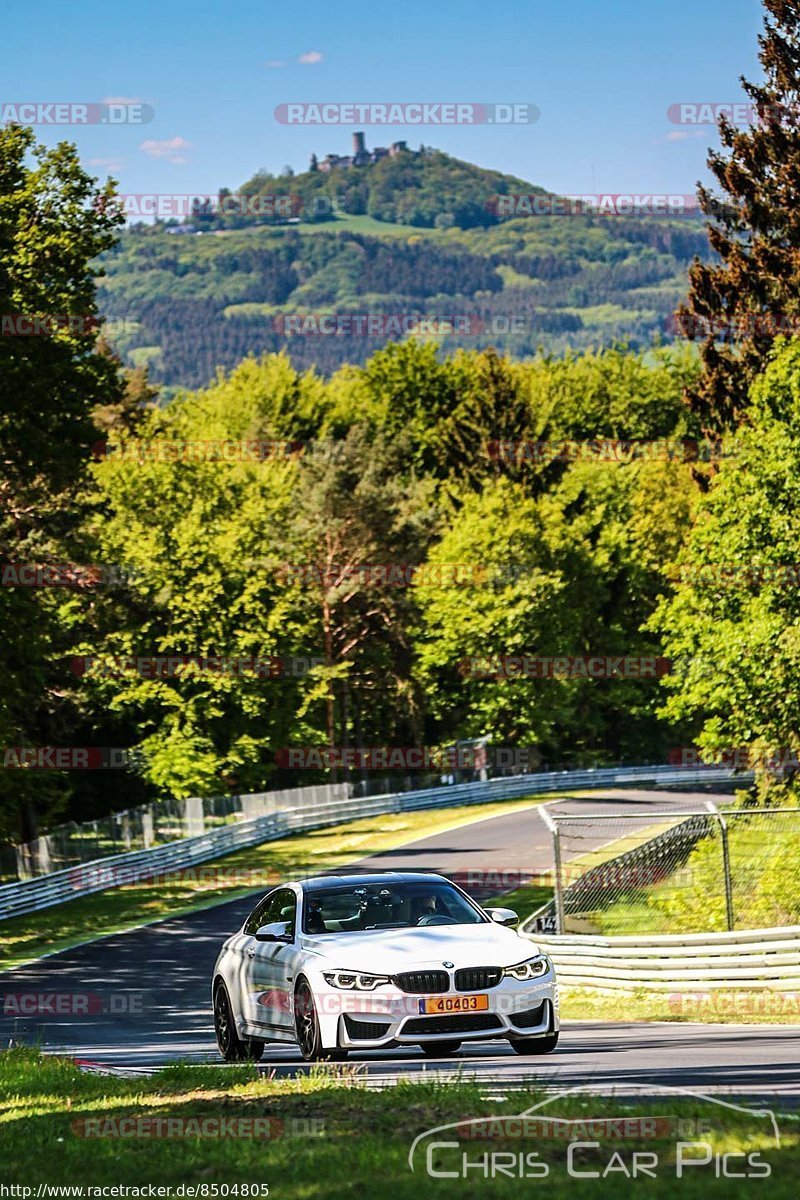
(758, 959)
(44, 891)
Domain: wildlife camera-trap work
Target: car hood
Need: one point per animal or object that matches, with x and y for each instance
(388, 951)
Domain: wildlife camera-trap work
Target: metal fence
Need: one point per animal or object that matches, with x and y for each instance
(692, 968)
(150, 825)
(57, 887)
(715, 869)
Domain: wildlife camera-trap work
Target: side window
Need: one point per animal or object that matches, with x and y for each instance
(277, 906)
(258, 916)
(286, 904)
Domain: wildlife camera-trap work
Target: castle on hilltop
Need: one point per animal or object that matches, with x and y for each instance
(361, 157)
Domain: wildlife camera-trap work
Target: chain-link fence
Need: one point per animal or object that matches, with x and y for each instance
(718, 869)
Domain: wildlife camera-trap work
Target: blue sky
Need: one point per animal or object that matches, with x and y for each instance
(602, 72)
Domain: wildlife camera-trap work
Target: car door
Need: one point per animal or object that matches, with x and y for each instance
(269, 966)
(238, 959)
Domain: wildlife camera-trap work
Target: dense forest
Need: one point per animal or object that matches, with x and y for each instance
(185, 305)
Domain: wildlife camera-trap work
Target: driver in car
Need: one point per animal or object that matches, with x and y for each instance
(315, 921)
(422, 907)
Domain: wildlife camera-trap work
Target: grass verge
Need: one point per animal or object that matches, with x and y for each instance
(331, 1138)
(27, 938)
(734, 1007)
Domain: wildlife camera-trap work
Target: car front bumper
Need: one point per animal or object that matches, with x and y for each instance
(388, 1016)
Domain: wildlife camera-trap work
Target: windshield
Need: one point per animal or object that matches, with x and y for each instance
(357, 906)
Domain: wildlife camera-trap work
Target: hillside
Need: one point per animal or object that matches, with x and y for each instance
(414, 235)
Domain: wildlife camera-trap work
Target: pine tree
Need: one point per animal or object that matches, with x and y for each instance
(739, 305)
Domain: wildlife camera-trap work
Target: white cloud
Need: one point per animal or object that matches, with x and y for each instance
(172, 149)
(310, 56)
(682, 135)
(122, 100)
(275, 62)
(107, 164)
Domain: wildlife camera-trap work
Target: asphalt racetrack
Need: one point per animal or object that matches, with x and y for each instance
(158, 977)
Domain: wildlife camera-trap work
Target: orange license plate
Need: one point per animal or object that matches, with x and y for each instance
(454, 1004)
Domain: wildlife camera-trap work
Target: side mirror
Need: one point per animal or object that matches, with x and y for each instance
(503, 916)
(278, 931)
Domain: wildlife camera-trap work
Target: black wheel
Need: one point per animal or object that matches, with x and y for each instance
(309, 1038)
(440, 1049)
(231, 1046)
(537, 1045)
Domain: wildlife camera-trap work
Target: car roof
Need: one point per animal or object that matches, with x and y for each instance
(353, 879)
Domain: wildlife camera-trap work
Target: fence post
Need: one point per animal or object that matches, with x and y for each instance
(726, 864)
(559, 880)
(194, 822)
(147, 828)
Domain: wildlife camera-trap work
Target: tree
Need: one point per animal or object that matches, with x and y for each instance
(738, 306)
(53, 225)
(358, 525)
(204, 535)
(573, 572)
(128, 413)
(733, 623)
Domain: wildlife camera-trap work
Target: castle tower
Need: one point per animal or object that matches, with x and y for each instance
(359, 149)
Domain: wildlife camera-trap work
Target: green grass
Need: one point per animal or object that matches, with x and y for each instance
(362, 1138)
(729, 1007)
(258, 867)
(525, 900)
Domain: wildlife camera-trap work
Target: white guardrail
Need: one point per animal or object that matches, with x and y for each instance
(756, 959)
(44, 891)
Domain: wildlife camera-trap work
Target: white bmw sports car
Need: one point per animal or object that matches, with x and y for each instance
(361, 962)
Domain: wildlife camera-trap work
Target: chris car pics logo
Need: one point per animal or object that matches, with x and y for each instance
(659, 1143)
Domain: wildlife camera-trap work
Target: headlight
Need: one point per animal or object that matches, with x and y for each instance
(354, 980)
(532, 968)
